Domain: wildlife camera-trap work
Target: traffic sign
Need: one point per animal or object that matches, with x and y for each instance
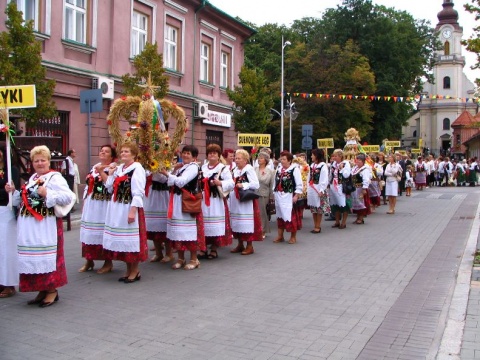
(307, 142)
(307, 130)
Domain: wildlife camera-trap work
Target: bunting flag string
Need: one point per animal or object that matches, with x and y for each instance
(388, 98)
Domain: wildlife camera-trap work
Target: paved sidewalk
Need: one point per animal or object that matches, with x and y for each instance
(373, 291)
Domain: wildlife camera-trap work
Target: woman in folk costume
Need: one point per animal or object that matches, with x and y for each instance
(393, 173)
(317, 197)
(96, 198)
(8, 228)
(125, 235)
(420, 174)
(216, 217)
(40, 234)
(460, 173)
(340, 204)
(155, 205)
(245, 216)
(185, 230)
(375, 190)
(287, 189)
(361, 176)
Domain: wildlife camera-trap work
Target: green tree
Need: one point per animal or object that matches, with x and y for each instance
(253, 102)
(473, 44)
(336, 70)
(21, 64)
(148, 63)
(400, 50)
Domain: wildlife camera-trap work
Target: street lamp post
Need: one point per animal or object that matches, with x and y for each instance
(292, 115)
(284, 43)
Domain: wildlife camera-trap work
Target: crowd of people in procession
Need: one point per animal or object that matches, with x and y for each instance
(124, 206)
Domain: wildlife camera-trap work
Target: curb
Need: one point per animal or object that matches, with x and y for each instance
(451, 343)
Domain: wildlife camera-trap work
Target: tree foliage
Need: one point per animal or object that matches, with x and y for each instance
(473, 43)
(252, 101)
(148, 63)
(21, 64)
(387, 46)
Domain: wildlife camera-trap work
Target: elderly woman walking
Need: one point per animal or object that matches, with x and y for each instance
(266, 177)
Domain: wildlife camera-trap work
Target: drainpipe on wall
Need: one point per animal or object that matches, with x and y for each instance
(201, 7)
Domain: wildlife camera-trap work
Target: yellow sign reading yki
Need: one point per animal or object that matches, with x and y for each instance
(18, 97)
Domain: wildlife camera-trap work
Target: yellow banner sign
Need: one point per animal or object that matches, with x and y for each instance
(260, 140)
(420, 143)
(325, 143)
(416, 151)
(18, 97)
(392, 144)
(402, 152)
(371, 148)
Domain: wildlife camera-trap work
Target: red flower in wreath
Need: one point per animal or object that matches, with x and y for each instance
(123, 98)
(109, 122)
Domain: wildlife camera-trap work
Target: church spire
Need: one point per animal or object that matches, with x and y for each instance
(448, 15)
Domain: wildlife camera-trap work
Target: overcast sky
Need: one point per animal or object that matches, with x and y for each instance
(285, 12)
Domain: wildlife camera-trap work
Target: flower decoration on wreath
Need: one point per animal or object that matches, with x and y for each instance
(147, 118)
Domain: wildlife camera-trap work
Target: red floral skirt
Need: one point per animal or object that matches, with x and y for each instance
(93, 252)
(257, 226)
(131, 257)
(52, 280)
(366, 211)
(375, 200)
(295, 224)
(193, 246)
(157, 236)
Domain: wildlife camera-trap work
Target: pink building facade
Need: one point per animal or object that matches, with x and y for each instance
(90, 44)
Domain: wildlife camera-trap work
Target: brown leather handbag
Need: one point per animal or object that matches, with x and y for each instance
(191, 203)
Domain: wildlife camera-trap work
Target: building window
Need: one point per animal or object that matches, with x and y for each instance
(446, 124)
(224, 69)
(139, 33)
(171, 48)
(458, 139)
(214, 137)
(76, 20)
(446, 82)
(29, 8)
(205, 62)
(446, 48)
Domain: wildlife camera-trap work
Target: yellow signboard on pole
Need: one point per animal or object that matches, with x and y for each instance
(416, 151)
(392, 144)
(325, 143)
(261, 140)
(371, 148)
(18, 97)
(420, 143)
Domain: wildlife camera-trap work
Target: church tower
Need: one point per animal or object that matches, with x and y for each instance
(444, 101)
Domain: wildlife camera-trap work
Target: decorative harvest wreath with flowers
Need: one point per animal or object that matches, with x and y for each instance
(147, 129)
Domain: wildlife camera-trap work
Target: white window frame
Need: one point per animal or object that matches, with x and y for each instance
(22, 6)
(139, 35)
(205, 50)
(224, 68)
(171, 47)
(74, 33)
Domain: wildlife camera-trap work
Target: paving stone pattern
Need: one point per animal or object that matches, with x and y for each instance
(369, 291)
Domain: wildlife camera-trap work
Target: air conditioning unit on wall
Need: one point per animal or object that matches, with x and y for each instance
(200, 110)
(106, 85)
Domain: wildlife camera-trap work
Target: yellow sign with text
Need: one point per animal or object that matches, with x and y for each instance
(402, 152)
(260, 140)
(392, 144)
(325, 143)
(18, 97)
(371, 148)
(420, 143)
(416, 151)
